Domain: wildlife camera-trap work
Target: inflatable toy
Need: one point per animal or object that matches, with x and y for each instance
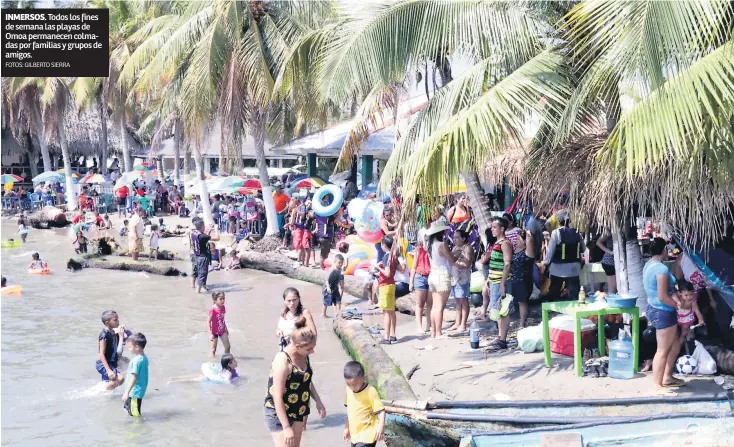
(366, 215)
(477, 282)
(43, 271)
(327, 210)
(213, 372)
(11, 290)
(10, 244)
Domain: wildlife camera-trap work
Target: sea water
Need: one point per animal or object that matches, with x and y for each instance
(621, 357)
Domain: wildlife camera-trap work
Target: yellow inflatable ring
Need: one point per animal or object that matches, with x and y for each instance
(11, 290)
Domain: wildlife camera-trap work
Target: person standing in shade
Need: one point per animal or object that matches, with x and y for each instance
(564, 258)
(606, 244)
(135, 237)
(499, 278)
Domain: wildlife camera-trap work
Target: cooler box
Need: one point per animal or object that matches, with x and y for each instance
(561, 334)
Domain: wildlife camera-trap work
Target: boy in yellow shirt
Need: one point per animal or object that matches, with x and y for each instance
(365, 413)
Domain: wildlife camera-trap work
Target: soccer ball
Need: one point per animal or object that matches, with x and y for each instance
(686, 365)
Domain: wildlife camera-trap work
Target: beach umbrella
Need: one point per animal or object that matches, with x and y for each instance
(144, 167)
(303, 181)
(228, 184)
(132, 176)
(8, 178)
(73, 173)
(245, 191)
(252, 183)
(95, 178)
(49, 176)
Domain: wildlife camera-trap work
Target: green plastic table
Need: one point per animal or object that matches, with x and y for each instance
(579, 311)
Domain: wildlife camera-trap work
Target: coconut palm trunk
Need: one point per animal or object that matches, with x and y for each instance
(103, 150)
(71, 198)
(258, 130)
(41, 133)
(475, 194)
(177, 128)
(32, 154)
(127, 162)
(187, 161)
(205, 204)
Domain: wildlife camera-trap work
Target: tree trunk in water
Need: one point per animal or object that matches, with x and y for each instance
(258, 127)
(205, 205)
(126, 160)
(41, 133)
(103, 153)
(71, 199)
(177, 152)
(475, 194)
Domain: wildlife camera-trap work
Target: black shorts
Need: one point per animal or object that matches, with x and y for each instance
(122, 201)
(609, 269)
(325, 244)
(273, 423)
(364, 444)
(133, 406)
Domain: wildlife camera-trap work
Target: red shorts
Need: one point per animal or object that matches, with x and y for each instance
(301, 239)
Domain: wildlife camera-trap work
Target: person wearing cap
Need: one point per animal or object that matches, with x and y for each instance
(564, 258)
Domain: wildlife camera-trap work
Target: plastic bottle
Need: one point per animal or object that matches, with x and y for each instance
(474, 335)
(582, 295)
(621, 357)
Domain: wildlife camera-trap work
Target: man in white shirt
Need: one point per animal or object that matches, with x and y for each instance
(135, 237)
(115, 175)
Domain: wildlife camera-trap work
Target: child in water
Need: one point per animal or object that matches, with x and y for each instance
(82, 241)
(216, 325)
(215, 261)
(228, 373)
(110, 350)
(3, 282)
(154, 235)
(23, 231)
(333, 288)
(37, 264)
(137, 376)
(687, 309)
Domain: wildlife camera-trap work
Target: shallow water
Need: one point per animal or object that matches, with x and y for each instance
(50, 388)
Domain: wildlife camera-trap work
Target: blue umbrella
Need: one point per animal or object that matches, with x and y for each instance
(49, 176)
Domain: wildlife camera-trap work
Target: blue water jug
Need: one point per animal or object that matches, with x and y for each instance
(621, 357)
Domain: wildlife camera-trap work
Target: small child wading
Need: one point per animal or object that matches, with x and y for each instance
(365, 412)
(81, 242)
(137, 376)
(155, 234)
(23, 231)
(217, 326)
(334, 286)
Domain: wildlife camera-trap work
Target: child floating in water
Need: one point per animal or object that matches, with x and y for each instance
(82, 241)
(155, 234)
(228, 373)
(37, 264)
(216, 325)
(23, 231)
(110, 350)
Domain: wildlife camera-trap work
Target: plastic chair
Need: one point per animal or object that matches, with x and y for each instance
(36, 201)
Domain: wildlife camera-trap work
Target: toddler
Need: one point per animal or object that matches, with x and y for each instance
(137, 376)
(161, 225)
(687, 308)
(334, 286)
(125, 228)
(216, 325)
(107, 222)
(81, 241)
(23, 230)
(155, 234)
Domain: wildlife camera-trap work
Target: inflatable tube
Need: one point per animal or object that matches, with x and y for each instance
(477, 282)
(45, 271)
(370, 236)
(11, 290)
(10, 244)
(330, 209)
(213, 372)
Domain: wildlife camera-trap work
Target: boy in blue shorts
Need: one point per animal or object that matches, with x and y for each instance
(334, 286)
(137, 376)
(110, 349)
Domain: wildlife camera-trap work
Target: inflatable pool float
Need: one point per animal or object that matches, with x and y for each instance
(44, 271)
(11, 290)
(327, 210)
(477, 282)
(213, 372)
(10, 244)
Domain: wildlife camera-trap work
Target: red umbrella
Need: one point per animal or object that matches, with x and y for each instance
(245, 191)
(252, 183)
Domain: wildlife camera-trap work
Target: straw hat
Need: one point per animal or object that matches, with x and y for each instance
(436, 227)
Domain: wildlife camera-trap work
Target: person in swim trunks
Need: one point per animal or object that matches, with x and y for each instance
(110, 349)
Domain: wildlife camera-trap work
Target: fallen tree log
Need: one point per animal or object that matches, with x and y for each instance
(75, 265)
(48, 217)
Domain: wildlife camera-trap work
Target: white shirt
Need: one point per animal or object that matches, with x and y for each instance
(137, 227)
(114, 176)
(402, 276)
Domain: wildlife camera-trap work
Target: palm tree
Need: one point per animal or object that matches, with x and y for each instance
(28, 99)
(229, 53)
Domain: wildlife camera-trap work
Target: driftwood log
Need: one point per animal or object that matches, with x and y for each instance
(48, 217)
(280, 264)
(102, 263)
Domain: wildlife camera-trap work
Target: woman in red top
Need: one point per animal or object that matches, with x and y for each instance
(459, 212)
(419, 280)
(122, 194)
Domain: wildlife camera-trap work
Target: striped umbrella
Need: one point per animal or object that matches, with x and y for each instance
(11, 178)
(73, 174)
(94, 178)
(49, 176)
(144, 167)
